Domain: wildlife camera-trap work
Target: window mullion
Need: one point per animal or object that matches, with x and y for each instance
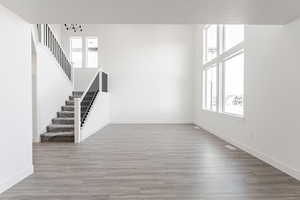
(205, 46)
(217, 88)
(205, 89)
(219, 38)
(217, 81)
(223, 38)
(223, 86)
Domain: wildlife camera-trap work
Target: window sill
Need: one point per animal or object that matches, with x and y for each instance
(235, 116)
(212, 111)
(230, 115)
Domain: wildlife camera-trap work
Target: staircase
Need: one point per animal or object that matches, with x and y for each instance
(62, 127)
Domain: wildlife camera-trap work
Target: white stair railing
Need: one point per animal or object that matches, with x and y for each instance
(83, 104)
(47, 38)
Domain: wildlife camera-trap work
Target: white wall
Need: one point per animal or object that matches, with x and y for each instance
(270, 129)
(16, 105)
(35, 133)
(53, 88)
(150, 70)
(83, 77)
(99, 116)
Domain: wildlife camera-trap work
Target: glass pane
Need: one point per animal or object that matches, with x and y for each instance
(76, 59)
(234, 85)
(92, 52)
(76, 43)
(204, 90)
(92, 43)
(211, 42)
(234, 34)
(211, 89)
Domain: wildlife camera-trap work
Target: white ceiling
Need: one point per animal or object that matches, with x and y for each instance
(156, 11)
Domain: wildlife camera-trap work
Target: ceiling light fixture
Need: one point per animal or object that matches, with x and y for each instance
(74, 27)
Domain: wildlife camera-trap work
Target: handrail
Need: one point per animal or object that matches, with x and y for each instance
(47, 38)
(83, 104)
(89, 85)
(88, 99)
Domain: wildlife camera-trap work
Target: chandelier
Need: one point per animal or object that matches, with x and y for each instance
(74, 27)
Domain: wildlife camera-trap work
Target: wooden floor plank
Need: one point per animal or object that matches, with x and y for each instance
(151, 162)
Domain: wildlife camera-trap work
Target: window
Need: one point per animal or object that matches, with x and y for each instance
(234, 85)
(233, 35)
(92, 52)
(223, 72)
(210, 42)
(210, 77)
(76, 51)
(80, 58)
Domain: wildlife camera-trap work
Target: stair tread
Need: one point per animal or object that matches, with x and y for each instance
(78, 92)
(61, 126)
(72, 106)
(54, 134)
(65, 111)
(64, 118)
(73, 100)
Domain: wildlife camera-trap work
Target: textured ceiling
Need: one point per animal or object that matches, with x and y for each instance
(156, 11)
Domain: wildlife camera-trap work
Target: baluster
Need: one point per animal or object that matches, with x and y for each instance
(55, 48)
(59, 56)
(51, 41)
(44, 33)
(46, 36)
(46, 30)
(57, 51)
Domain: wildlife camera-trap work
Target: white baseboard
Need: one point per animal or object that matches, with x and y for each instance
(152, 122)
(261, 156)
(19, 176)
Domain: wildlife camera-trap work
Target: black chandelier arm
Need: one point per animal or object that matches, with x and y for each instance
(74, 27)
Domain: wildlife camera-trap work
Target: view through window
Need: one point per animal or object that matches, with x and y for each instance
(92, 52)
(87, 58)
(76, 51)
(223, 72)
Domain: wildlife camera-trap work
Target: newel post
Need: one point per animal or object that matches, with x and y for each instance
(77, 120)
(41, 33)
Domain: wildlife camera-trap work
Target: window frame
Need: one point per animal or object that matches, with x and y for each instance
(242, 51)
(223, 35)
(83, 50)
(219, 61)
(86, 52)
(205, 48)
(80, 50)
(204, 75)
